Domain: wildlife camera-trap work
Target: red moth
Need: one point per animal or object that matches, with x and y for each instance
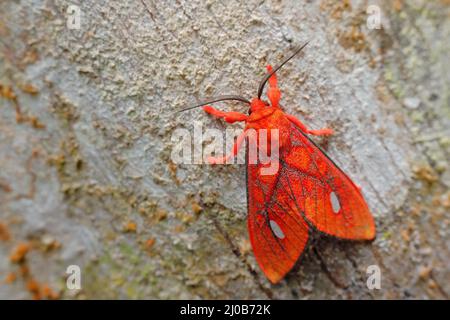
(307, 192)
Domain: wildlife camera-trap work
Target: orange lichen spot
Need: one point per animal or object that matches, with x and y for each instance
(336, 8)
(425, 272)
(10, 278)
(130, 227)
(19, 117)
(48, 243)
(54, 245)
(405, 235)
(160, 215)
(4, 232)
(35, 123)
(7, 92)
(185, 217)
(5, 187)
(148, 245)
(432, 284)
(196, 208)
(353, 38)
(48, 293)
(28, 88)
(19, 253)
(397, 4)
(34, 289)
(173, 172)
(436, 200)
(30, 57)
(150, 242)
(425, 173)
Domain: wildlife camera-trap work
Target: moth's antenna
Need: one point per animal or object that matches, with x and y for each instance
(217, 99)
(264, 80)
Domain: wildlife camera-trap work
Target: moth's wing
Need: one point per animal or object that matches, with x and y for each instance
(278, 232)
(308, 189)
(324, 194)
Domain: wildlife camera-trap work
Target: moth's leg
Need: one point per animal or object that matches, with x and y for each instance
(273, 93)
(233, 152)
(320, 132)
(229, 117)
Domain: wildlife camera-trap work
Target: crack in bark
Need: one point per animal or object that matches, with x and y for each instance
(439, 287)
(337, 283)
(148, 10)
(236, 252)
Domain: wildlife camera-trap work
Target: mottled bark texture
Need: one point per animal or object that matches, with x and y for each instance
(86, 119)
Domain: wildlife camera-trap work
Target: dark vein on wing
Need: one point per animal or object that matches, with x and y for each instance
(287, 225)
(273, 262)
(268, 226)
(323, 179)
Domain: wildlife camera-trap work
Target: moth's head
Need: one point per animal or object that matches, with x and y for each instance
(256, 103)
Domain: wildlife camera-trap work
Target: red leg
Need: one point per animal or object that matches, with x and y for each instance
(320, 132)
(274, 94)
(233, 152)
(229, 117)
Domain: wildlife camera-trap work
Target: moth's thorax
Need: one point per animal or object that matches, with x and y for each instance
(267, 118)
(260, 114)
(260, 110)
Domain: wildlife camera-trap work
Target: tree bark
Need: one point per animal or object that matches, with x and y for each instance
(86, 120)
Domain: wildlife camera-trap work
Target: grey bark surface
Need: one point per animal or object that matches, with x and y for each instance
(86, 176)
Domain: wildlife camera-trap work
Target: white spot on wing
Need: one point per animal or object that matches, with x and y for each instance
(335, 204)
(276, 229)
